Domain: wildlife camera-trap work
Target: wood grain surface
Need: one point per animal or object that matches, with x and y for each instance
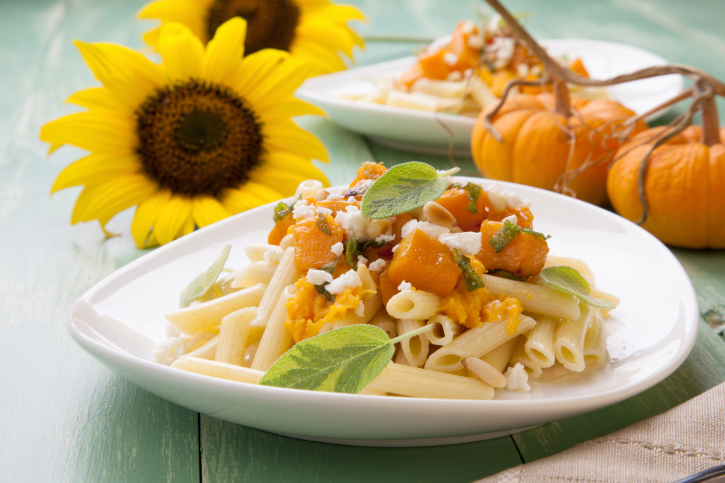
(63, 417)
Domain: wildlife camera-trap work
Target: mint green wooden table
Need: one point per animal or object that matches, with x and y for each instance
(64, 417)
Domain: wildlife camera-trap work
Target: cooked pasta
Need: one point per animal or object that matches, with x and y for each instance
(569, 343)
(416, 348)
(411, 304)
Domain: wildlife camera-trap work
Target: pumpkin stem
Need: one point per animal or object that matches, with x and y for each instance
(561, 97)
(710, 125)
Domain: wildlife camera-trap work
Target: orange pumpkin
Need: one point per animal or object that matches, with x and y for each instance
(684, 186)
(536, 150)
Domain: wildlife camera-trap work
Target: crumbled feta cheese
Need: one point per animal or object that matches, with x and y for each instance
(360, 309)
(302, 210)
(467, 243)
(430, 229)
(517, 378)
(493, 188)
(468, 27)
(337, 249)
(318, 277)
(361, 260)
(321, 209)
(345, 281)
(475, 42)
(404, 287)
(522, 70)
(455, 76)
(335, 194)
(351, 199)
(512, 200)
(394, 248)
(353, 222)
(503, 48)
(377, 265)
(385, 238)
(525, 203)
(450, 58)
(274, 255)
(172, 331)
(512, 218)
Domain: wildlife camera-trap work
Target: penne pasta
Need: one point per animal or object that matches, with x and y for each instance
(276, 338)
(476, 343)
(415, 348)
(256, 252)
(499, 357)
(578, 265)
(519, 356)
(233, 336)
(569, 343)
(249, 354)
(258, 272)
(444, 330)
(595, 342)
(218, 369)
(206, 351)
(413, 304)
(540, 341)
(382, 320)
(285, 275)
(208, 315)
(416, 382)
(535, 298)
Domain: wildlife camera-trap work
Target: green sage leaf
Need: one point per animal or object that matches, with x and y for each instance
(204, 282)
(474, 193)
(535, 233)
(403, 188)
(569, 280)
(473, 281)
(508, 275)
(351, 246)
(504, 236)
(371, 243)
(323, 225)
(342, 360)
(281, 210)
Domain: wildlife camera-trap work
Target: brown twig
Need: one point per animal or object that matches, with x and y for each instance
(509, 86)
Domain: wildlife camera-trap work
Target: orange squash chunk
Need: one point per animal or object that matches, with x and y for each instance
(524, 215)
(312, 246)
(578, 67)
(524, 256)
(369, 170)
(455, 201)
(280, 229)
(410, 76)
(387, 288)
(425, 263)
(433, 65)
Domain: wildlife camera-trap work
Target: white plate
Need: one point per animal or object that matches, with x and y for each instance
(423, 131)
(649, 335)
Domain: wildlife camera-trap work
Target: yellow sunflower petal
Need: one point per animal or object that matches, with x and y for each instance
(340, 14)
(95, 131)
(258, 67)
(96, 169)
(288, 137)
(249, 195)
(103, 201)
(151, 38)
(127, 73)
(145, 217)
(291, 162)
(326, 34)
(207, 210)
(285, 110)
(97, 98)
(283, 181)
(323, 57)
(182, 52)
(188, 227)
(281, 84)
(224, 52)
(172, 218)
(187, 12)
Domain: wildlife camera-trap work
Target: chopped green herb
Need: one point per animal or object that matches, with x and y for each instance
(508, 275)
(569, 280)
(322, 224)
(473, 281)
(204, 282)
(373, 244)
(504, 236)
(281, 210)
(351, 251)
(474, 192)
(535, 233)
(342, 360)
(322, 288)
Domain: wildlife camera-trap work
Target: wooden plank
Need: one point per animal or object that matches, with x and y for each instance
(703, 369)
(245, 454)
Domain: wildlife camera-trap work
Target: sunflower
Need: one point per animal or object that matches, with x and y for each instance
(202, 136)
(315, 30)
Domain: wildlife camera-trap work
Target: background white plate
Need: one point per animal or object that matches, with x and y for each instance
(648, 336)
(423, 131)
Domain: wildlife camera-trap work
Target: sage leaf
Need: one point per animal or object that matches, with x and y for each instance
(351, 246)
(474, 192)
(504, 236)
(569, 280)
(281, 210)
(323, 225)
(508, 275)
(403, 188)
(342, 360)
(535, 233)
(473, 281)
(204, 282)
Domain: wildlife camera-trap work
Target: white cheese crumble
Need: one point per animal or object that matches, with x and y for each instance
(475, 41)
(318, 277)
(353, 222)
(395, 248)
(430, 229)
(377, 265)
(455, 76)
(404, 287)
(512, 200)
(337, 249)
(361, 260)
(450, 58)
(467, 243)
(343, 282)
(335, 194)
(517, 378)
(302, 210)
(385, 238)
(323, 210)
(512, 218)
(360, 309)
(468, 27)
(274, 255)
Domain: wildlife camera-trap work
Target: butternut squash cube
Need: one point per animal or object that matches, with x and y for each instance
(525, 255)
(312, 245)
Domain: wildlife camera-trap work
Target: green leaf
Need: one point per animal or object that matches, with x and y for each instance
(403, 188)
(342, 360)
(281, 210)
(202, 283)
(535, 233)
(322, 288)
(474, 192)
(323, 225)
(568, 280)
(351, 251)
(473, 281)
(504, 236)
(508, 275)
(371, 243)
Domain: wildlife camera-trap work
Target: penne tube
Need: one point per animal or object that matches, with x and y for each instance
(367, 281)
(218, 369)
(276, 338)
(476, 343)
(535, 298)
(519, 356)
(540, 342)
(595, 342)
(444, 330)
(417, 382)
(606, 296)
(307, 189)
(413, 304)
(256, 252)
(208, 315)
(382, 320)
(258, 272)
(400, 358)
(499, 357)
(569, 343)
(249, 354)
(369, 392)
(233, 336)
(370, 308)
(415, 348)
(206, 351)
(285, 275)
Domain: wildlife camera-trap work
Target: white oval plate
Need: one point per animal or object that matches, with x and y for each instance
(422, 131)
(648, 336)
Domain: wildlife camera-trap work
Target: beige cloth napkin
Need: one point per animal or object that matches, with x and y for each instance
(665, 448)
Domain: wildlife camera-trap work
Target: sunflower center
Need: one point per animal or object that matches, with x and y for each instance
(197, 138)
(271, 24)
